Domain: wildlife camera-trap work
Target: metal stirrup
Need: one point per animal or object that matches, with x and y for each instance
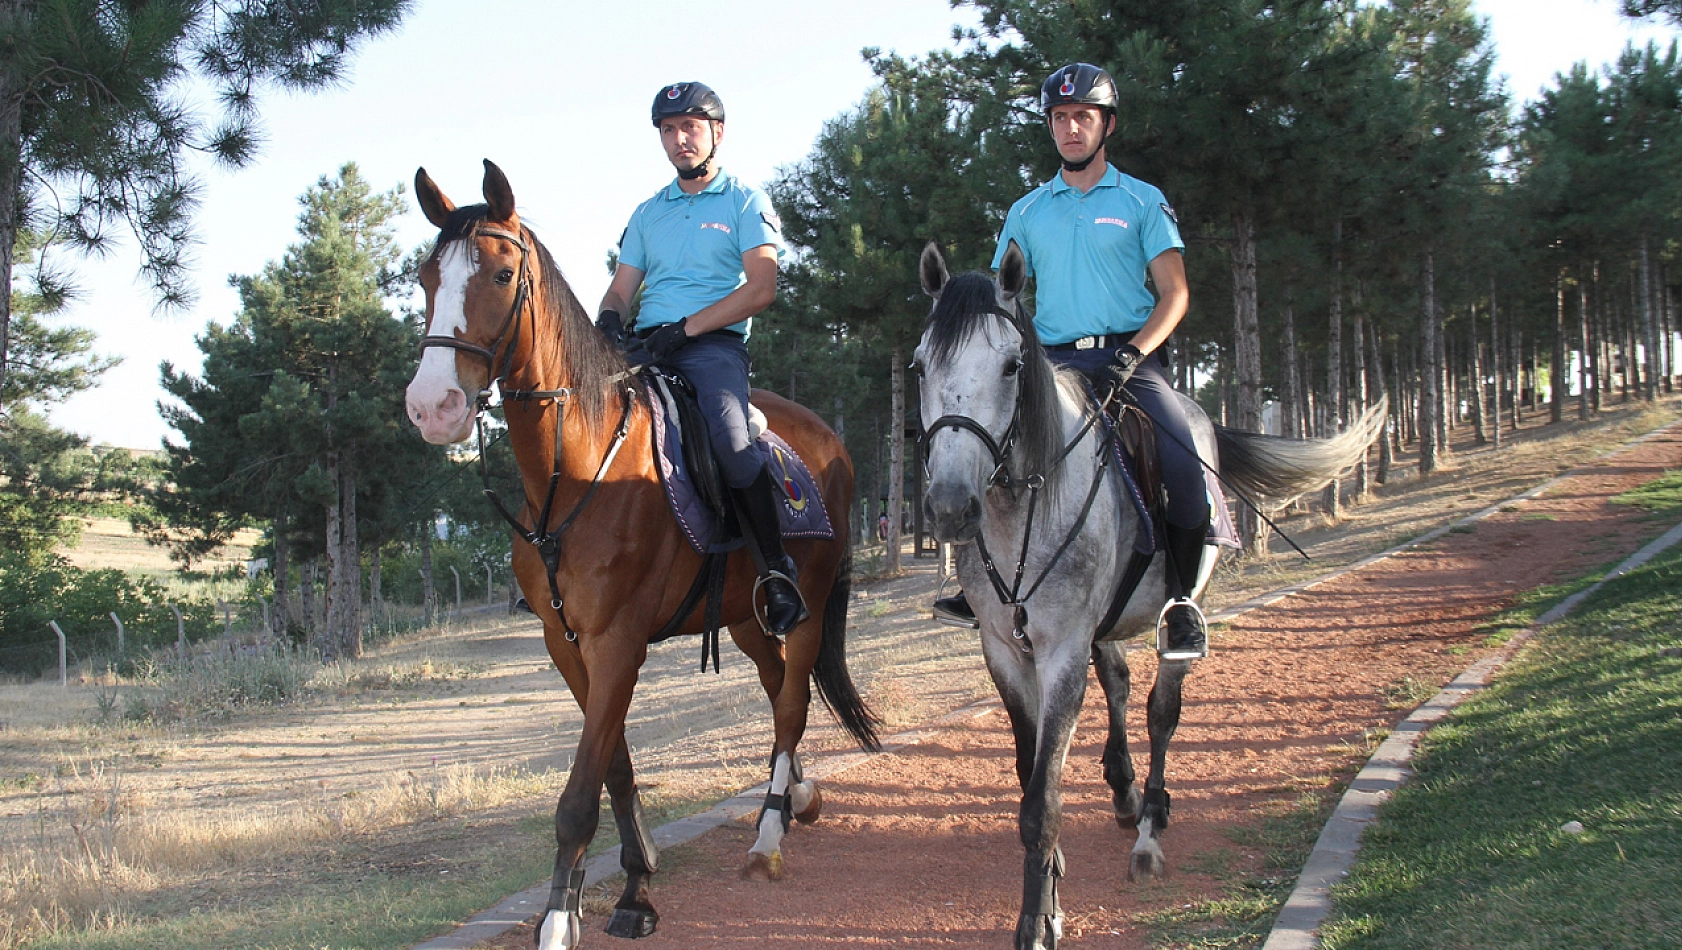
(1162, 624)
(762, 615)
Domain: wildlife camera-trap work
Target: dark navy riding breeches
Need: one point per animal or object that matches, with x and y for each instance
(716, 364)
(1182, 474)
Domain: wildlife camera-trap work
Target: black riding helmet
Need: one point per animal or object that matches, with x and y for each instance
(687, 98)
(1080, 84)
(690, 98)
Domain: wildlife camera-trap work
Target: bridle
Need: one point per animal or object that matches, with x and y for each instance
(548, 543)
(1000, 449)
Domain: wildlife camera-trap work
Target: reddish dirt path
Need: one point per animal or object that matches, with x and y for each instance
(919, 848)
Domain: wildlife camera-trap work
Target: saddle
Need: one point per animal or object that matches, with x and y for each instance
(694, 485)
(1136, 445)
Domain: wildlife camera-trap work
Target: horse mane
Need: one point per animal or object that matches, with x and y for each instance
(573, 341)
(966, 304)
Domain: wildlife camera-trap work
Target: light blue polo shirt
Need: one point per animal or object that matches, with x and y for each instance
(1090, 254)
(690, 247)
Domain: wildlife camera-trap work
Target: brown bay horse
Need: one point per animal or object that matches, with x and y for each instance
(499, 311)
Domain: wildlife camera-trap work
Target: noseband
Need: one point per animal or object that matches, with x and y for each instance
(510, 328)
(999, 449)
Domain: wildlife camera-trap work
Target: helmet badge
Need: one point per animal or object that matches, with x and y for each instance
(672, 92)
(1068, 87)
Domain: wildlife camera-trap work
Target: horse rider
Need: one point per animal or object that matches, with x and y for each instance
(704, 251)
(1091, 237)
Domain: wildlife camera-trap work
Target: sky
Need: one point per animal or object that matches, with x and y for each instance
(557, 94)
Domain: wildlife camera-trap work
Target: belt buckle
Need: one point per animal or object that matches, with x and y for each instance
(1086, 343)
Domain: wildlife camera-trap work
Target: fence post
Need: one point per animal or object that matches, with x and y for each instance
(63, 670)
(119, 622)
(180, 633)
(227, 627)
(487, 585)
(458, 587)
(268, 628)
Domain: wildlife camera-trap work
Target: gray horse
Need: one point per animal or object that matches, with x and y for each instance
(1019, 465)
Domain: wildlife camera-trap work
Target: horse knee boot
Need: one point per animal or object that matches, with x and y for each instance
(1185, 635)
(784, 607)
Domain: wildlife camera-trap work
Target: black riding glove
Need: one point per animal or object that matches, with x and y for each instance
(612, 326)
(1113, 375)
(666, 340)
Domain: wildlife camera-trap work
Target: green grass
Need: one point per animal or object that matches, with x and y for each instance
(1662, 497)
(1585, 726)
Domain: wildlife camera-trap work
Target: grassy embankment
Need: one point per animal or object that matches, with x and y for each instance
(1585, 726)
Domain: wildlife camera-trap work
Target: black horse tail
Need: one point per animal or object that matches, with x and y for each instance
(835, 684)
(1268, 466)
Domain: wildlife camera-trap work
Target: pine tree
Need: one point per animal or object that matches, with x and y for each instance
(88, 112)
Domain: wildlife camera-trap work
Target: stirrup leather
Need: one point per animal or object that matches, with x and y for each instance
(1162, 647)
(759, 613)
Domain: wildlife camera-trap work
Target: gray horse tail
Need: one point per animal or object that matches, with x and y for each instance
(1278, 469)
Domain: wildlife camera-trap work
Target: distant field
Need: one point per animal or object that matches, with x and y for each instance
(110, 542)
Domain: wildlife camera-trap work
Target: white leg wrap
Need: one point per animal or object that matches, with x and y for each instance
(801, 795)
(771, 822)
(559, 931)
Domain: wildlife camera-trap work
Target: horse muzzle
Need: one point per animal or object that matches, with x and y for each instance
(442, 417)
(953, 512)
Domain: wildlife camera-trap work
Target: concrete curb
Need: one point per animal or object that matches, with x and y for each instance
(514, 910)
(1297, 927)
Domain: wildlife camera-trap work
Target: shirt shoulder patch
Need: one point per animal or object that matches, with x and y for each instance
(771, 220)
(1169, 212)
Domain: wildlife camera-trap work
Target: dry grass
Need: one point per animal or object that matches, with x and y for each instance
(110, 542)
(95, 842)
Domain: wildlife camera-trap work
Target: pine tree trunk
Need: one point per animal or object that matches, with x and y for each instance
(896, 461)
(12, 13)
(1649, 331)
(1556, 400)
(282, 583)
(429, 592)
(1585, 377)
(1290, 414)
(1387, 439)
(331, 642)
(1246, 358)
(1430, 376)
(1632, 367)
(376, 585)
(1480, 433)
(306, 598)
(1495, 364)
(1359, 398)
(350, 560)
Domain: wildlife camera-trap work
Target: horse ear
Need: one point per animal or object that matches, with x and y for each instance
(433, 204)
(498, 193)
(932, 269)
(1013, 272)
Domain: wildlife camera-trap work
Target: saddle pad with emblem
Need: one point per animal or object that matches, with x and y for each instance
(801, 513)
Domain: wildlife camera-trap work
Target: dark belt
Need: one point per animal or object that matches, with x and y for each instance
(645, 334)
(1104, 341)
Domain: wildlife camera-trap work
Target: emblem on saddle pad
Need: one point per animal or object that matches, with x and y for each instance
(791, 488)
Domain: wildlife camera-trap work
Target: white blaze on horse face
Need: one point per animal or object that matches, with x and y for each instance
(436, 402)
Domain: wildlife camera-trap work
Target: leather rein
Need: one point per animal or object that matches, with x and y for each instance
(1011, 595)
(548, 543)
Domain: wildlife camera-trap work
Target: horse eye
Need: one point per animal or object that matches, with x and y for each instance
(505, 275)
(1013, 367)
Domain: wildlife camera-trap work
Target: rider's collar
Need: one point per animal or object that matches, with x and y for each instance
(1111, 179)
(674, 191)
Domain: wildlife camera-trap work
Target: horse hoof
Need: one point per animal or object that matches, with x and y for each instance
(1146, 866)
(1038, 932)
(631, 923)
(763, 868)
(1127, 810)
(813, 810)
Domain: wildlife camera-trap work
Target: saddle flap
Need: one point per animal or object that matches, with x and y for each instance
(1138, 442)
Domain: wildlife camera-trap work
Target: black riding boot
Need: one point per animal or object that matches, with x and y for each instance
(1185, 635)
(955, 611)
(784, 607)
